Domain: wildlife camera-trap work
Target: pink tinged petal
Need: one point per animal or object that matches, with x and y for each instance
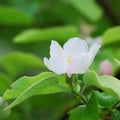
(91, 54)
(56, 64)
(55, 48)
(106, 68)
(75, 47)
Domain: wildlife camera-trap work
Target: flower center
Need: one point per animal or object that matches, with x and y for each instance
(68, 58)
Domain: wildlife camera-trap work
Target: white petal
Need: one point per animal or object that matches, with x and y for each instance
(56, 64)
(46, 62)
(55, 48)
(91, 54)
(81, 64)
(78, 65)
(75, 47)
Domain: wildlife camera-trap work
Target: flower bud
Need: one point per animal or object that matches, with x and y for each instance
(106, 68)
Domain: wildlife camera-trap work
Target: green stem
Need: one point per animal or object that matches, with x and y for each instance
(71, 81)
(81, 97)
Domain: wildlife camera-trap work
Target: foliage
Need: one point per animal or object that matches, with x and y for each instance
(26, 29)
(88, 112)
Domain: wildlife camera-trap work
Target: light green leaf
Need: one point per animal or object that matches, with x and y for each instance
(46, 34)
(23, 88)
(111, 35)
(88, 8)
(12, 16)
(109, 84)
(16, 62)
(88, 112)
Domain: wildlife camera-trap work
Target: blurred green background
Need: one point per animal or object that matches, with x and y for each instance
(26, 30)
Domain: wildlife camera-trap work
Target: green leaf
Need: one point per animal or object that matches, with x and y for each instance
(88, 8)
(105, 100)
(109, 84)
(12, 16)
(92, 107)
(111, 35)
(88, 112)
(46, 34)
(23, 88)
(80, 113)
(15, 63)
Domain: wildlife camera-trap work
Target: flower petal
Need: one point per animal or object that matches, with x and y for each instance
(56, 64)
(91, 54)
(55, 48)
(75, 47)
(78, 65)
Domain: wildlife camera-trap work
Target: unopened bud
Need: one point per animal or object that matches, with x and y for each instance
(106, 68)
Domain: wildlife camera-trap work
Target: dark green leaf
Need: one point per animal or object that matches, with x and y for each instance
(12, 16)
(92, 107)
(80, 113)
(105, 100)
(88, 8)
(88, 112)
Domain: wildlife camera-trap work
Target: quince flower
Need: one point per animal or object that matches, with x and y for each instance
(74, 58)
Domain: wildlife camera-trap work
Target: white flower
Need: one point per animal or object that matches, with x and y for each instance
(74, 58)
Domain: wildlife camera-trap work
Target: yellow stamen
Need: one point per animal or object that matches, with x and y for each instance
(69, 59)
